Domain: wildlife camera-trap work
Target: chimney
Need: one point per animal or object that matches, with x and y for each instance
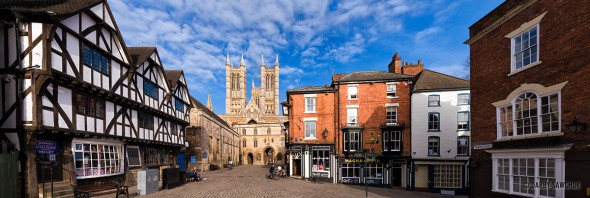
(395, 66)
(412, 69)
(336, 77)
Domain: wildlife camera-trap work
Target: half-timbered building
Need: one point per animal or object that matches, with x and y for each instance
(75, 96)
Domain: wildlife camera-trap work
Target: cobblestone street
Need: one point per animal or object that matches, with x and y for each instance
(249, 181)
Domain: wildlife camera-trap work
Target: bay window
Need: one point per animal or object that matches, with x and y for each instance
(392, 140)
(97, 159)
(529, 114)
(352, 140)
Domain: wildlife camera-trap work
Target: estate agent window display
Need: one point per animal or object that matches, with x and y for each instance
(321, 161)
(97, 159)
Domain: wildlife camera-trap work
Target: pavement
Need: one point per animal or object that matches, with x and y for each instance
(250, 181)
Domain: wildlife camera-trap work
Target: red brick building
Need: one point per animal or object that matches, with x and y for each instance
(529, 74)
(373, 110)
(312, 133)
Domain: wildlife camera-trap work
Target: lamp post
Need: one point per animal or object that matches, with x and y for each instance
(575, 126)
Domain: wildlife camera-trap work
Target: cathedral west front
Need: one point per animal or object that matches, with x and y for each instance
(256, 118)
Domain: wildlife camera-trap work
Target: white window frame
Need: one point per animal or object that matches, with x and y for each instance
(394, 90)
(388, 121)
(502, 121)
(555, 153)
(350, 117)
(524, 28)
(117, 169)
(467, 122)
(310, 108)
(349, 140)
(349, 90)
(313, 134)
(448, 176)
(138, 153)
(392, 137)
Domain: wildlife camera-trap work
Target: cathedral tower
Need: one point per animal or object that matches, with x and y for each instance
(235, 87)
(269, 85)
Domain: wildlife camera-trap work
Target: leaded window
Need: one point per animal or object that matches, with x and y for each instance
(150, 89)
(90, 106)
(96, 60)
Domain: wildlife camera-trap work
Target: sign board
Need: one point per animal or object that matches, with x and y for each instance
(482, 146)
(204, 155)
(46, 147)
(193, 159)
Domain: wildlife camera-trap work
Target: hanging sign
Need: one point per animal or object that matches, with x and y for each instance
(193, 159)
(46, 147)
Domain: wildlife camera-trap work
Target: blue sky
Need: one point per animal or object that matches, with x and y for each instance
(311, 37)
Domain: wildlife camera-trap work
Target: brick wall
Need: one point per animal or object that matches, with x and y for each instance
(324, 114)
(564, 48)
(372, 98)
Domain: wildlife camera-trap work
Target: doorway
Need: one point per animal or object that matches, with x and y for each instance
(268, 155)
(250, 158)
(396, 175)
(296, 159)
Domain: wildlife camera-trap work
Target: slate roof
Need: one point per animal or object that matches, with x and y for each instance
(207, 111)
(172, 76)
(140, 54)
(430, 80)
(372, 76)
(311, 89)
(58, 7)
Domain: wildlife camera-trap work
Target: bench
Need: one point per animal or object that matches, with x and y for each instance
(101, 189)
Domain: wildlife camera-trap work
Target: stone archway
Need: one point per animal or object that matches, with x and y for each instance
(269, 153)
(250, 158)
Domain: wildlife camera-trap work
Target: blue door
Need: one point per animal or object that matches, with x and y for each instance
(180, 161)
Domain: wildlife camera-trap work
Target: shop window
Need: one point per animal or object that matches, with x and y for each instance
(133, 158)
(320, 160)
(155, 156)
(447, 176)
(94, 159)
(351, 173)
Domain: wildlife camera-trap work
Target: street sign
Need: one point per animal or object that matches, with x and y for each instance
(46, 147)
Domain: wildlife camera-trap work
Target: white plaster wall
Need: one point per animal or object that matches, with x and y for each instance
(448, 123)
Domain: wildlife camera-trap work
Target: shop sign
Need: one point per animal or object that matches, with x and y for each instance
(373, 181)
(193, 159)
(482, 145)
(46, 147)
(361, 160)
(351, 180)
(372, 141)
(204, 155)
(320, 174)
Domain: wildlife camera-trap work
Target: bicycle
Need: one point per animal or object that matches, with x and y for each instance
(274, 176)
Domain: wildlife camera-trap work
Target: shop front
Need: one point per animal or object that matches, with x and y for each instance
(376, 171)
(312, 161)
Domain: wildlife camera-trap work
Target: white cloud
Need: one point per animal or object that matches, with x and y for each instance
(310, 52)
(346, 52)
(286, 70)
(424, 34)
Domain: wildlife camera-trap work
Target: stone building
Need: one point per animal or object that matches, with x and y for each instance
(258, 121)
(212, 142)
(529, 85)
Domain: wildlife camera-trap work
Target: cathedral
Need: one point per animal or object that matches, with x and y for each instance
(257, 120)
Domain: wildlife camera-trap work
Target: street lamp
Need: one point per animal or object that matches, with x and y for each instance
(576, 127)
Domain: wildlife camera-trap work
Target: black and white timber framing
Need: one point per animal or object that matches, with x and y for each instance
(83, 81)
